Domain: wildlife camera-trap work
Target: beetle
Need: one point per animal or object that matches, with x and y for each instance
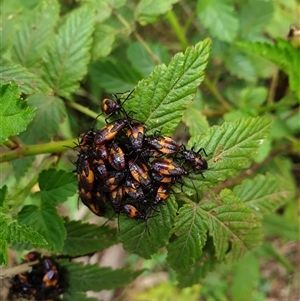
(115, 199)
(135, 134)
(164, 179)
(51, 278)
(133, 189)
(101, 151)
(113, 180)
(162, 194)
(167, 167)
(110, 106)
(197, 162)
(140, 173)
(85, 174)
(108, 132)
(89, 200)
(165, 145)
(132, 212)
(100, 169)
(116, 157)
(87, 140)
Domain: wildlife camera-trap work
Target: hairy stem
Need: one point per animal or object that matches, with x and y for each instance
(46, 148)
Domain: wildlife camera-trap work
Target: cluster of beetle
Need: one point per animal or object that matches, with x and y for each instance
(43, 283)
(122, 167)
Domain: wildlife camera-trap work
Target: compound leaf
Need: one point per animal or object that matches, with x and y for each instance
(56, 186)
(46, 221)
(11, 231)
(200, 268)
(264, 194)
(66, 59)
(147, 238)
(27, 81)
(3, 195)
(283, 54)
(229, 148)
(34, 32)
(163, 97)
(190, 236)
(147, 11)
(50, 112)
(104, 37)
(96, 278)
(15, 112)
(84, 238)
(113, 77)
(234, 227)
(219, 17)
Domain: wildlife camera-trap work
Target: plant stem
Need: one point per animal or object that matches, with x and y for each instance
(213, 90)
(177, 29)
(154, 57)
(46, 148)
(180, 33)
(85, 110)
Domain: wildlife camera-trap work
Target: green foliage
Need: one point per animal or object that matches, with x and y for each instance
(219, 17)
(56, 186)
(165, 94)
(36, 27)
(146, 241)
(84, 238)
(27, 81)
(15, 112)
(283, 54)
(65, 61)
(234, 95)
(96, 278)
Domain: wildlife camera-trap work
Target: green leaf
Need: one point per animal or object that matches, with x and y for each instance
(56, 186)
(15, 112)
(104, 37)
(50, 113)
(283, 54)
(145, 63)
(66, 59)
(34, 33)
(229, 147)
(83, 238)
(147, 11)
(78, 297)
(234, 227)
(3, 195)
(253, 97)
(22, 165)
(10, 14)
(252, 24)
(264, 194)
(219, 17)
(279, 226)
(3, 252)
(163, 97)
(27, 81)
(96, 278)
(46, 221)
(113, 76)
(190, 236)
(135, 234)
(200, 268)
(240, 64)
(195, 121)
(244, 285)
(11, 231)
